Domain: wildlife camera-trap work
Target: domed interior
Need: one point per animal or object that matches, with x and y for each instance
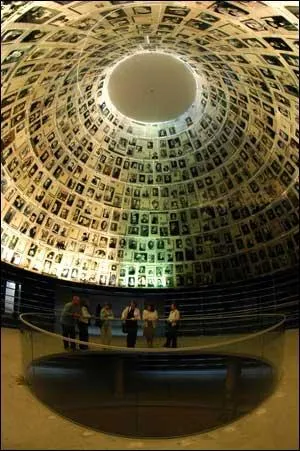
(199, 186)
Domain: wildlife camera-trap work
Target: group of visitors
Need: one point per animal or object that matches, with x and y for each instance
(131, 315)
(76, 313)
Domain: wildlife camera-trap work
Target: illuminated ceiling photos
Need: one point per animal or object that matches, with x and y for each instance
(89, 195)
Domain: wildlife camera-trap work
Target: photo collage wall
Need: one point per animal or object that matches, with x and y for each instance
(91, 196)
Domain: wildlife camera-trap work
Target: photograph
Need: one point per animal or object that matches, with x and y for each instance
(254, 25)
(23, 70)
(11, 35)
(278, 43)
(237, 43)
(278, 23)
(228, 8)
(172, 20)
(197, 24)
(34, 35)
(37, 15)
(141, 10)
(292, 60)
(177, 11)
(272, 60)
(13, 57)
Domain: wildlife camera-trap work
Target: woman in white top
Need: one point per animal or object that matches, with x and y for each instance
(106, 315)
(83, 324)
(172, 327)
(150, 317)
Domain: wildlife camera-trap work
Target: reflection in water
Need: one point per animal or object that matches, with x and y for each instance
(151, 395)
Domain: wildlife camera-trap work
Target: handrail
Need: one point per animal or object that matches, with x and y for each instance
(185, 317)
(155, 350)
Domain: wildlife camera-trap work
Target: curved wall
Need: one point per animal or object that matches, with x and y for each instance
(91, 196)
(267, 294)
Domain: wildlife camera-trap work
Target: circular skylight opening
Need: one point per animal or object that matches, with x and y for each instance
(152, 87)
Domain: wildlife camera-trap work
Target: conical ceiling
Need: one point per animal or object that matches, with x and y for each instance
(198, 194)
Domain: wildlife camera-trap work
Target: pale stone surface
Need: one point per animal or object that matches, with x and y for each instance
(28, 424)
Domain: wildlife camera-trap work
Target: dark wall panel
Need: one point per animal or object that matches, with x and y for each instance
(272, 294)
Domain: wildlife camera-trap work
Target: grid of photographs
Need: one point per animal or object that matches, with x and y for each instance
(91, 196)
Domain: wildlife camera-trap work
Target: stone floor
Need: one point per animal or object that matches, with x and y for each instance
(29, 425)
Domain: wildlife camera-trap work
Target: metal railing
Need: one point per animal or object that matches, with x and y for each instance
(209, 371)
(194, 333)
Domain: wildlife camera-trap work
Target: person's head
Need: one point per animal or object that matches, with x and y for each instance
(75, 300)
(173, 306)
(132, 304)
(150, 308)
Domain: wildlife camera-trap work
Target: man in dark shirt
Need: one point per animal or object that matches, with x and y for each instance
(68, 319)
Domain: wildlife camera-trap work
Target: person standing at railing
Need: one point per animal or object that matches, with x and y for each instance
(150, 317)
(106, 316)
(172, 327)
(83, 324)
(131, 315)
(69, 316)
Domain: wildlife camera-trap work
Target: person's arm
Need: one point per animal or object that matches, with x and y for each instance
(102, 314)
(124, 314)
(76, 314)
(111, 315)
(65, 312)
(65, 309)
(85, 313)
(176, 317)
(137, 314)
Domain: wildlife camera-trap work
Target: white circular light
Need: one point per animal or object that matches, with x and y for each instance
(151, 87)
